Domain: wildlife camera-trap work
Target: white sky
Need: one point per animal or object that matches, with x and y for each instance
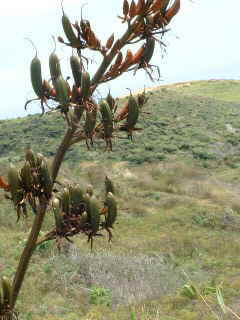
(203, 44)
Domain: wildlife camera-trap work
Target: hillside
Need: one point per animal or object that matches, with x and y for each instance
(178, 224)
(199, 120)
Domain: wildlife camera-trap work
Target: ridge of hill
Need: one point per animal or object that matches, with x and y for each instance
(198, 119)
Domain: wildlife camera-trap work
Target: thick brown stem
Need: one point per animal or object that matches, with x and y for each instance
(61, 152)
(28, 250)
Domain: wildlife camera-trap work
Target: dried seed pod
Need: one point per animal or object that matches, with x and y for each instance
(76, 68)
(127, 61)
(157, 5)
(4, 185)
(85, 84)
(116, 64)
(111, 205)
(110, 42)
(172, 11)
(109, 186)
(107, 119)
(45, 179)
(92, 40)
(125, 8)
(138, 55)
(62, 91)
(132, 10)
(140, 6)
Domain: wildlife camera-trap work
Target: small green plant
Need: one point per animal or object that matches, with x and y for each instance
(100, 296)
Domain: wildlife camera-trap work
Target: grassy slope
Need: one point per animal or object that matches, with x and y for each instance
(178, 216)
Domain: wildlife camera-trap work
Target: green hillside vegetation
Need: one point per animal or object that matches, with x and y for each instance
(179, 214)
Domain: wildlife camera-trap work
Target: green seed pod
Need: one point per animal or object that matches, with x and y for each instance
(90, 122)
(85, 84)
(110, 101)
(65, 200)
(1, 299)
(45, 179)
(89, 190)
(107, 119)
(14, 183)
(68, 30)
(38, 159)
(6, 290)
(109, 186)
(76, 70)
(30, 157)
(26, 177)
(54, 67)
(111, 204)
(93, 212)
(133, 112)
(57, 214)
(76, 195)
(36, 76)
(62, 89)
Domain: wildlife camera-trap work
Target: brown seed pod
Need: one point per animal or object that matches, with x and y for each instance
(4, 185)
(92, 40)
(157, 5)
(140, 6)
(132, 10)
(138, 55)
(172, 11)
(127, 61)
(110, 41)
(125, 8)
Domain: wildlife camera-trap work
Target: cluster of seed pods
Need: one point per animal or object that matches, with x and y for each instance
(28, 184)
(78, 210)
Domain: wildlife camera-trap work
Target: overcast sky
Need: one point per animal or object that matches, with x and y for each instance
(203, 44)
